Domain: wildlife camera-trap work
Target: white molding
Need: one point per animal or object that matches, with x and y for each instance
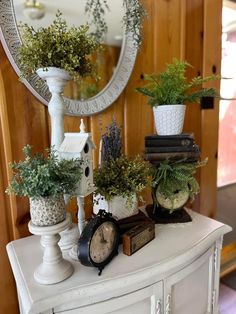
(11, 41)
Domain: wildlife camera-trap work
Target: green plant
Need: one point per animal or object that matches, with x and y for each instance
(57, 46)
(171, 177)
(44, 174)
(132, 19)
(172, 87)
(122, 177)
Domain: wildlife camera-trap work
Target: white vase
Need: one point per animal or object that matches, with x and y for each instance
(169, 119)
(47, 211)
(118, 206)
(56, 80)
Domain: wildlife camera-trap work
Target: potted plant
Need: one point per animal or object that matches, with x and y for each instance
(174, 184)
(57, 53)
(57, 46)
(119, 179)
(45, 178)
(168, 92)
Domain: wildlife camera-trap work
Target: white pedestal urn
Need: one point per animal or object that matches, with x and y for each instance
(119, 206)
(54, 268)
(56, 80)
(169, 119)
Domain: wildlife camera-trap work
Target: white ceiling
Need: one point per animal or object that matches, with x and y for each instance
(73, 12)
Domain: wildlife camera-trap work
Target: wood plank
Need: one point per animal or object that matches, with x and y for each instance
(210, 117)
(8, 303)
(228, 259)
(23, 117)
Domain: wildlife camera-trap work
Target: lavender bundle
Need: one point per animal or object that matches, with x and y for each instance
(111, 143)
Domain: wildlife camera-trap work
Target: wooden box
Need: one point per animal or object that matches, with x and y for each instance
(137, 237)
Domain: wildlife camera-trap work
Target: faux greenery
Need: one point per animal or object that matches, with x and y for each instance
(132, 19)
(44, 174)
(122, 177)
(172, 87)
(171, 177)
(57, 46)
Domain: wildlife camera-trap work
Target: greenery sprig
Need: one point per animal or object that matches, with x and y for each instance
(172, 87)
(58, 45)
(122, 177)
(132, 19)
(44, 174)
(96, 9)
(174, 176)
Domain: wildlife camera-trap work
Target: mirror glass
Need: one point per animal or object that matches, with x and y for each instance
(115, 64)
(42, 13)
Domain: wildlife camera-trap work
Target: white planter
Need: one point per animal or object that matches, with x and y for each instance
(169, 119)
(47, 211)
(118, 206)
(56, 80)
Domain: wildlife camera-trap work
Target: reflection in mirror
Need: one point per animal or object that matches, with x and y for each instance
(41, 14)
(118, 73)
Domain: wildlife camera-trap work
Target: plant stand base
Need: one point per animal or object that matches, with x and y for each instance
(74, 252)
(69, 237)
(161, 216)
(54, 268)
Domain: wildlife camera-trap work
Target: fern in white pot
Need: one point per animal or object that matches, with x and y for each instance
(169, 91)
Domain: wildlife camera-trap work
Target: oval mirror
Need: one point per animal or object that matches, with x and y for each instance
(114, 63)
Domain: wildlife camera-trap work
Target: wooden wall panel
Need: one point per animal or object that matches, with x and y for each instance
(26, 124)
(210, 117)
(138, 115)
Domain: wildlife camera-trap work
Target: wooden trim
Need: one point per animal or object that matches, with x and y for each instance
(6, 156)
(228, 259)
(210, 117)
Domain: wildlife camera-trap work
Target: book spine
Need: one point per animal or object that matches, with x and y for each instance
(169, 142)
(182, 135)
(170, 149)
(175, 155)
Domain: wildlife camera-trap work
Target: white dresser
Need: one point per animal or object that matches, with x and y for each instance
(177, 272)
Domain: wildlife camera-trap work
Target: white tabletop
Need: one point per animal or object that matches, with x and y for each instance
(175, 244)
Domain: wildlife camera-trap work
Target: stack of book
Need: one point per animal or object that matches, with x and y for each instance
(173, 147)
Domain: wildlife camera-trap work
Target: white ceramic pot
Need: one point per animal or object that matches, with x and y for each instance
(47, 211)
(169, 119)
(56, 80)
(118, 206)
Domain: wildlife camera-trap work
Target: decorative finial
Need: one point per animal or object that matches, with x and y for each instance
(82, 126)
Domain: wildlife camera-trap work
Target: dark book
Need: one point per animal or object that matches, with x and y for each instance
(172, 156)
(185, 139)
(156, 163)
(171, 149)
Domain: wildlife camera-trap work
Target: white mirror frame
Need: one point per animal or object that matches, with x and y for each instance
(11, 41)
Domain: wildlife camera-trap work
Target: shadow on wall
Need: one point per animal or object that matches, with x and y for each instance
(226, 210)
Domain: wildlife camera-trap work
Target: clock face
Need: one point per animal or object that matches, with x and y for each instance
(103, 242)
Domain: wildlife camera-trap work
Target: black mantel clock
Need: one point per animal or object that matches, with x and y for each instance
(99, 241)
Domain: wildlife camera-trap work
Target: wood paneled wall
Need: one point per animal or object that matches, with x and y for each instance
(184, 29)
